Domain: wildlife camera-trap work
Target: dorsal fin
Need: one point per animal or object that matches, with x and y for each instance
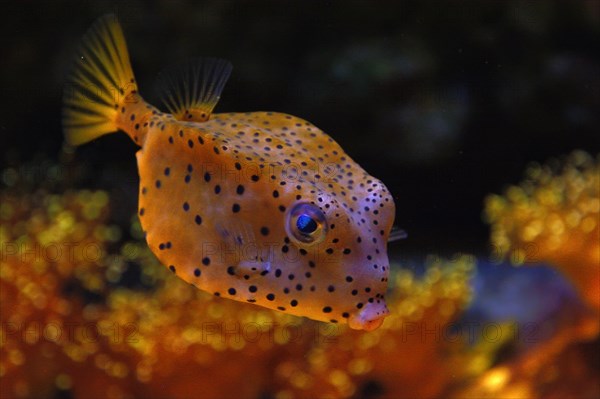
(191, 91)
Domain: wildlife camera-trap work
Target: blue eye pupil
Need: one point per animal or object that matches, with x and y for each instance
(306, 224)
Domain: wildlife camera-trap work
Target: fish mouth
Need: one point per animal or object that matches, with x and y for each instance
(370, 317)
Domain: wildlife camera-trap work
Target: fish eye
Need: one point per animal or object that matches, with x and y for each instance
(306, 224)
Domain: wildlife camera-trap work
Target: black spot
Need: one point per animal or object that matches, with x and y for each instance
(275, 193)
(186, 206)
(231, 291)
(252, 288)
(354, 292)
(271, 297)
(264, 231)
(198, 219)
(238, 166)
(327, 309)
(207, 177)
(329, 251)
(200, 140)
(347, 251)
(190, 144)
(231, 271)
(285, 249)
(197, 272)
(167, 171)
(345, 315)
(278, 273)
(235, 208)
(217, 189)
(254, 178)
(240, 189)
(293, 303)
(331, 288)
(157, 184)
(206, 261)
(172, 268)
(187, 178)
(349, 279)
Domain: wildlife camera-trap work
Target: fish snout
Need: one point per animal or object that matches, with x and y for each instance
(370, 317)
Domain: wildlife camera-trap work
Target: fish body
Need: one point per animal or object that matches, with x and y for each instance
(259, 207)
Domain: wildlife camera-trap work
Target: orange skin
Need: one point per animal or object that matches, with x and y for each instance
(236, 242)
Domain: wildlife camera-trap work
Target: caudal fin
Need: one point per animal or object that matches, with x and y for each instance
(99, 83)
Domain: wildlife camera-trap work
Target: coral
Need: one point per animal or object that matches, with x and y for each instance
(556, 368)
(86, 309)
(553, 216)
(417, 340)
(47, 241)
(71, 323)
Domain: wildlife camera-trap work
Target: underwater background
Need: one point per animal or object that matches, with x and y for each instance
(481, 117)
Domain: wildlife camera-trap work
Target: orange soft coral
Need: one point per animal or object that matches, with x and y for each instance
(554, 217)
(47, 241)
(65, 328)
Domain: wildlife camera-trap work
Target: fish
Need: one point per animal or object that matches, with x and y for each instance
(258, 207)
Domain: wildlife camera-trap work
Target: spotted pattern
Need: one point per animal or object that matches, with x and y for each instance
(215, 204)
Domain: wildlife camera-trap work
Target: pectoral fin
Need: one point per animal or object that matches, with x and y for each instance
(252, 260)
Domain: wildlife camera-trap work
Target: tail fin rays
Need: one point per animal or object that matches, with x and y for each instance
(98, 84)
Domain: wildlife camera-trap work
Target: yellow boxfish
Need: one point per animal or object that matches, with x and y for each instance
(259, 207)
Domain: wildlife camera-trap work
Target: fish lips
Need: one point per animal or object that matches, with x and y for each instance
(370, 317)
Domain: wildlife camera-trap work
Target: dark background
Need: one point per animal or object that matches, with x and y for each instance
(444, 102)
